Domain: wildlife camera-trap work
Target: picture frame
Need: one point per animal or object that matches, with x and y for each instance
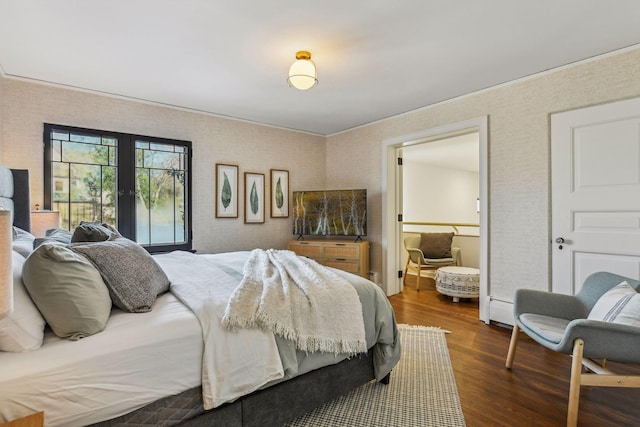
(226, 191)
(279, 190)
(253, 198)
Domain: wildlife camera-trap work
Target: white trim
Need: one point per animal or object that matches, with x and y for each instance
(501, 311)
(391, 231)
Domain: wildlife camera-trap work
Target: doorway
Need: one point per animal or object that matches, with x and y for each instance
(392, 189)
(440, 192)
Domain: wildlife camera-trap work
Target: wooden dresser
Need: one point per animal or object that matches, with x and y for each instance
(348, 256)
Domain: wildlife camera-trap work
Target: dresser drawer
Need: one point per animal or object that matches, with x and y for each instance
(348, 256)
(342, 251)
(342, 264)
(310, 250)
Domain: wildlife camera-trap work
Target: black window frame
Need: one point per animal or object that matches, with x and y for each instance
(126, 168)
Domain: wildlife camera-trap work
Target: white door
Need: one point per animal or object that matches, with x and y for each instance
(595, 167)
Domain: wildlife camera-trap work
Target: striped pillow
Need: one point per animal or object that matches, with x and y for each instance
(620, 304)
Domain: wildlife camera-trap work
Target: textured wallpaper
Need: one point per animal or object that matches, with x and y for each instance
(519, 162)
(252, 147)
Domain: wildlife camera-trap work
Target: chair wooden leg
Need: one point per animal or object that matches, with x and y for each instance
(404, 274)
(512, 346)
(574, 385)
(419, 273)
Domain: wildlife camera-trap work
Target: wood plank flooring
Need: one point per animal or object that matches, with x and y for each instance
(534, 393)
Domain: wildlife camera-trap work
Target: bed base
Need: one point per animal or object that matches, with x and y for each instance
(272, 406)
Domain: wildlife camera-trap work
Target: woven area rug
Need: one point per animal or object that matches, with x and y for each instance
(422, 390)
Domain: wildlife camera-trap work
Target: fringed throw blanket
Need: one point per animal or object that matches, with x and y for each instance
(299, 299)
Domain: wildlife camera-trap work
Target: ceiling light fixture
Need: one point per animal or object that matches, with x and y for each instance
(303, 74)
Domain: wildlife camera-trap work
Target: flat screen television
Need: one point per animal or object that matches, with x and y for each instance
(330, 213)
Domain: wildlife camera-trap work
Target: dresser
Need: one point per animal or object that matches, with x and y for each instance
(348, 256)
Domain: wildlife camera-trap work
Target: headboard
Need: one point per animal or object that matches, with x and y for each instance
(15, 195)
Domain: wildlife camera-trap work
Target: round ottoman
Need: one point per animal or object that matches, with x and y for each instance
(458, 282)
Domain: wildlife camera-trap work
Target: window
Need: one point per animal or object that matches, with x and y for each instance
(141, 185)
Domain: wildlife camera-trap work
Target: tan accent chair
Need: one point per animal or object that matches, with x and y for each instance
(416, 262)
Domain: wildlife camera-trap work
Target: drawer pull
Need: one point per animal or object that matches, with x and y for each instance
(341, 244)
(341, 259)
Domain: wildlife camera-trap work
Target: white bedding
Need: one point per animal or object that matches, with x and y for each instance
(234, 363)
(142, 357)
(105, 375)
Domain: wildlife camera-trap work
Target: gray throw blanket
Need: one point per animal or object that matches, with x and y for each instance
(300, 300)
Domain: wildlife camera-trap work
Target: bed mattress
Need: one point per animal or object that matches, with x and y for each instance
(109, 374)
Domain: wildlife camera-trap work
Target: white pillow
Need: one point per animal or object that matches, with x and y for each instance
(23, 328)
(620, 304)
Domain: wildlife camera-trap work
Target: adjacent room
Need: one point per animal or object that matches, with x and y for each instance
(346, 213)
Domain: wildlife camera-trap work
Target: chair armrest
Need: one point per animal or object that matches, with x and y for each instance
(415, 255)
(455, 254)
(603, 340)
(547, 304)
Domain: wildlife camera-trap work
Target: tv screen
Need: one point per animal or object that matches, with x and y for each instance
(330, 213)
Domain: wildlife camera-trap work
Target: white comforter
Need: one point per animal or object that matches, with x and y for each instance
(228, 369)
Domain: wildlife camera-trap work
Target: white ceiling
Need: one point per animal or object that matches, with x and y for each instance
(459, 152)
(375, 58)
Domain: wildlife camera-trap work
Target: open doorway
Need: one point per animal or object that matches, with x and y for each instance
(392, 186)
(441, 192)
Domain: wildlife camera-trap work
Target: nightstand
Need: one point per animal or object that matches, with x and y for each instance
(33, 420)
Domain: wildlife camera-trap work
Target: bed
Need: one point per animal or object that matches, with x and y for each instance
(147, 368)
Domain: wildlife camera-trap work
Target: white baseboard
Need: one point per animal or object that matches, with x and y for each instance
(501, 311)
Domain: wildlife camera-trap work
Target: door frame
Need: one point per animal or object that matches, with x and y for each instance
(392, 195)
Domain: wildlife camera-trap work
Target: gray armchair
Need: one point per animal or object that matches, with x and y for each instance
(559, 322)
(429, 251)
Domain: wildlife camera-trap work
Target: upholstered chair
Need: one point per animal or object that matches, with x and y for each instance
(428, 252)
(602, 321)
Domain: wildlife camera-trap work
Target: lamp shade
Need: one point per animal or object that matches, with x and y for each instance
(6, 271)
(302, 73)
(41, 221)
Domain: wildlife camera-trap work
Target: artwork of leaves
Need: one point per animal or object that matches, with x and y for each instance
(279, 195)
(254, 199)
(225, 197)
(226, 191)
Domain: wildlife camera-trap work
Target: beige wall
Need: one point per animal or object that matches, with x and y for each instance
(438, 194)
(26, 106)
(519, 159)
(519, 176)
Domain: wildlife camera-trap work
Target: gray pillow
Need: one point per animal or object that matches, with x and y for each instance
(133, 277)
(57, 234)
(436, 245)
(22, 241)
(93, 232)
(68, 291)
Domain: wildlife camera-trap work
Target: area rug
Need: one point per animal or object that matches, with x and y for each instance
(422, 390)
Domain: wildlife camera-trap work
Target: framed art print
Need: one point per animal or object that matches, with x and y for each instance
(279, 193)
(226, 191)
(253, 198)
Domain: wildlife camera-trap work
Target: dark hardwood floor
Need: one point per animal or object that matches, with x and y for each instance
(534, 393)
